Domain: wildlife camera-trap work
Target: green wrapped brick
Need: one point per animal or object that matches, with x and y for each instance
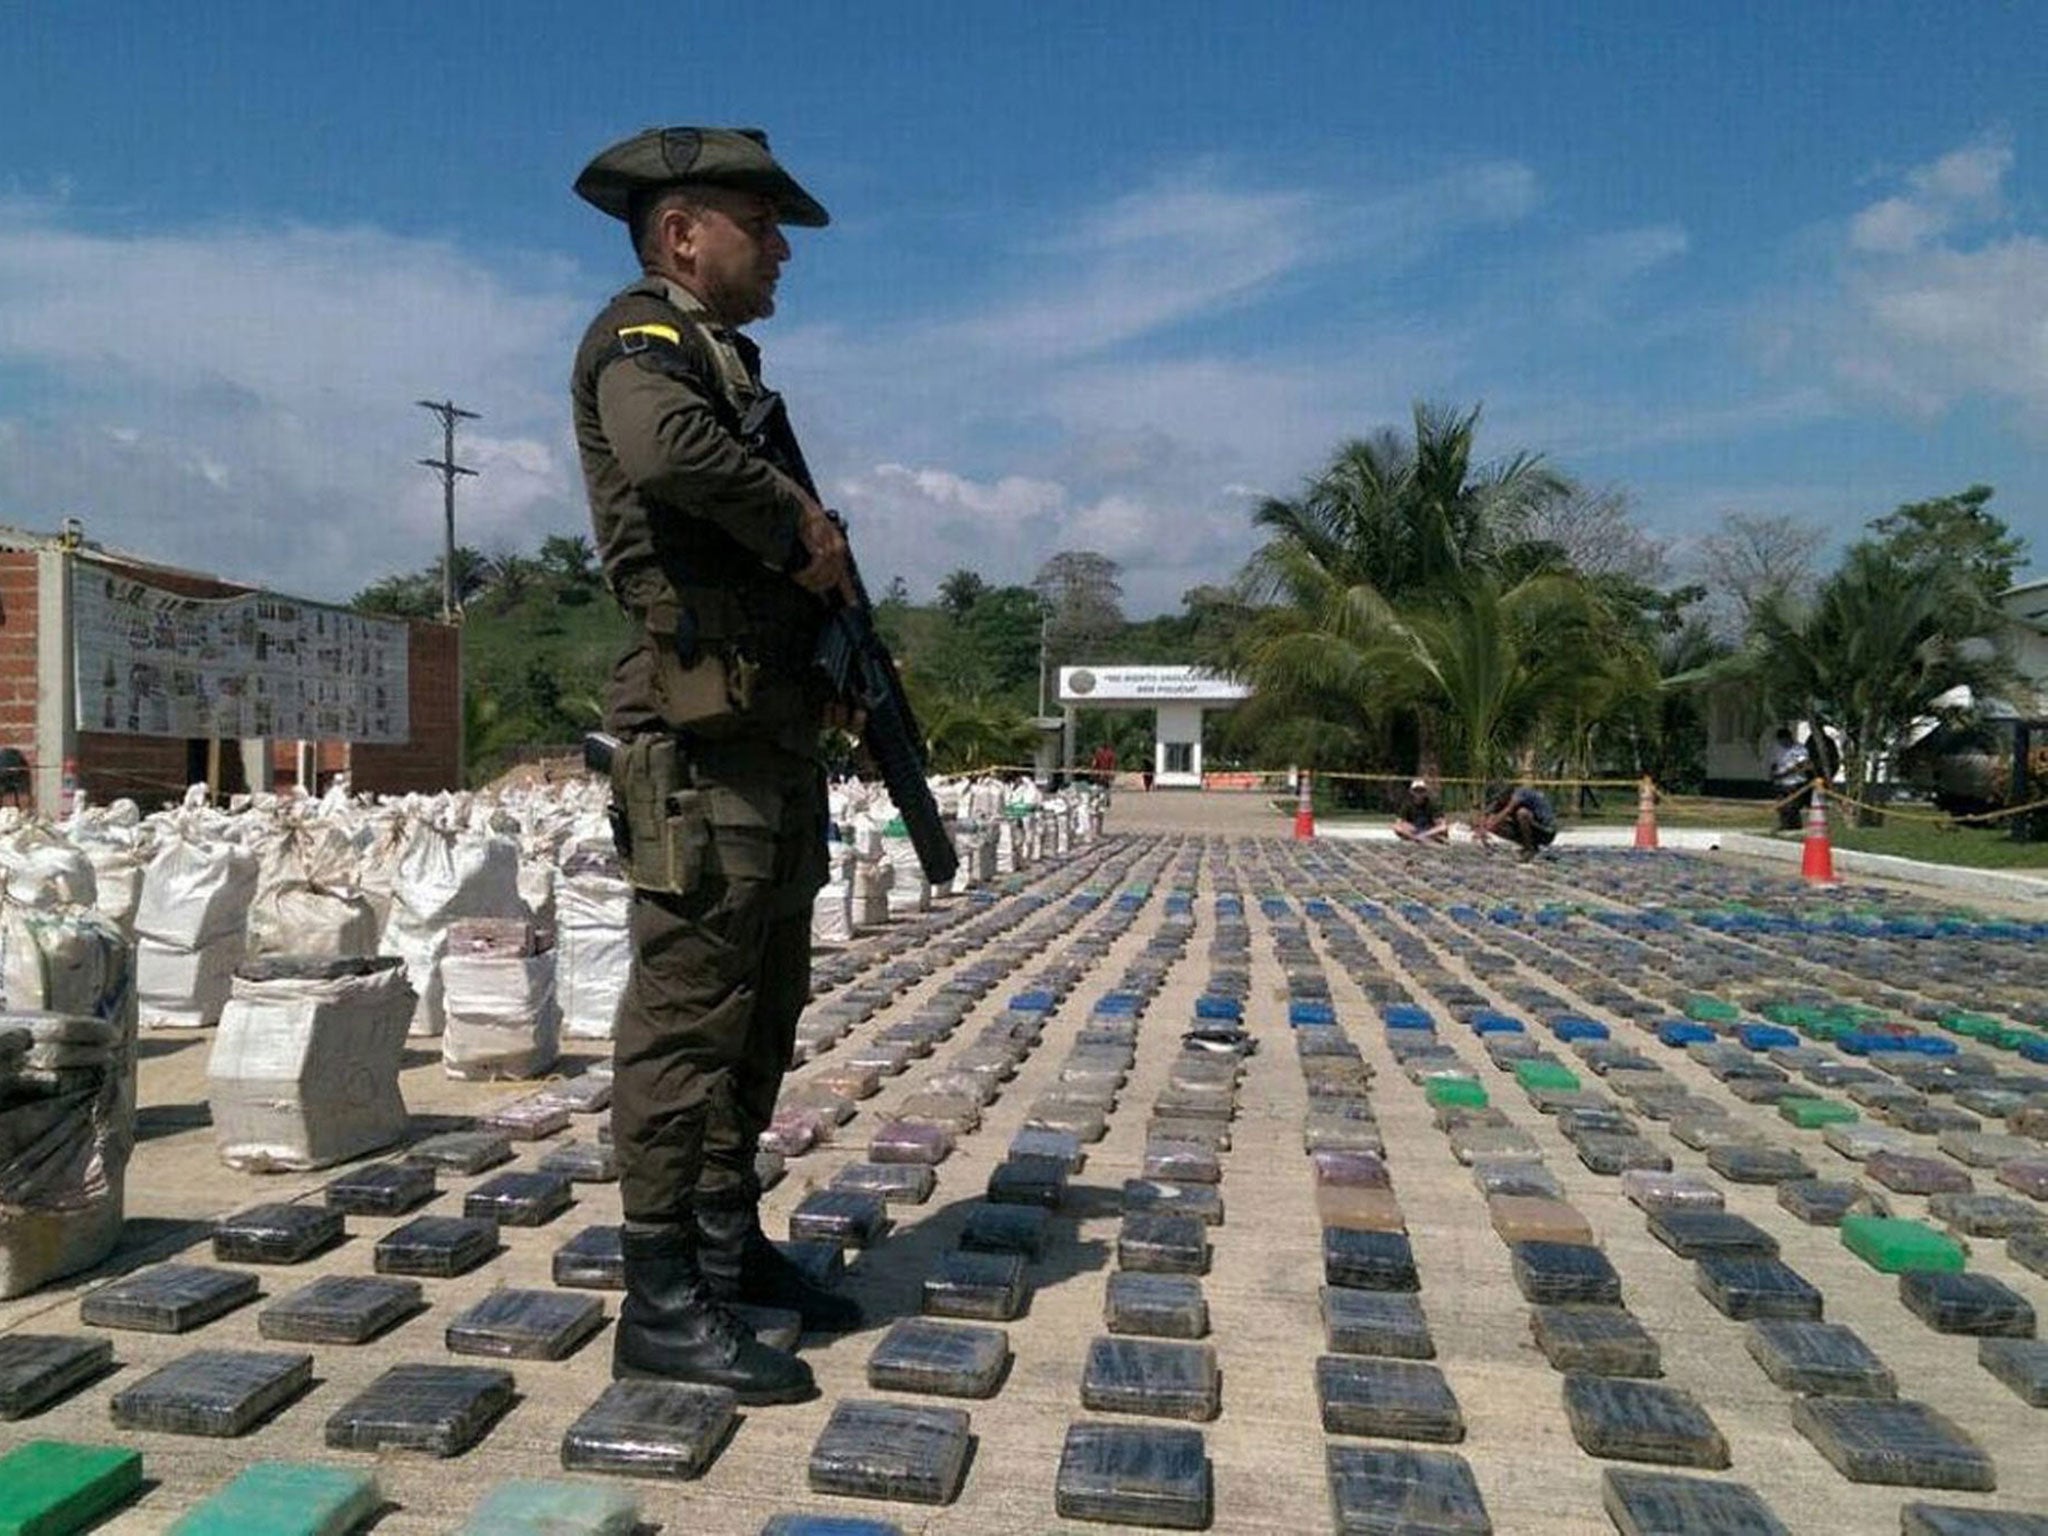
(1536, 1076)
(54, 1487)
(1460, 1091)
(286, 1498)
(1711, 1010)
(1811, 1114)
(1893, 1245)
(537, 1508)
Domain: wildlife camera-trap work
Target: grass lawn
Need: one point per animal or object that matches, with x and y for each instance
(1970, 847)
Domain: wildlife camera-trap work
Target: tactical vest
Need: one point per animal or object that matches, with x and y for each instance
(681, 577)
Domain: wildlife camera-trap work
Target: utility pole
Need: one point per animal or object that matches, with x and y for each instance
(450, 413)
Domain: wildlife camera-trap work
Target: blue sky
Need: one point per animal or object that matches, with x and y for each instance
(1099, 275)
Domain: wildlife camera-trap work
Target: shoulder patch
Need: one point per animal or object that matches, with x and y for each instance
(667, 333)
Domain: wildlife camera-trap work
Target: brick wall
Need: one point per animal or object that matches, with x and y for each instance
(18, 651)
(432, 759)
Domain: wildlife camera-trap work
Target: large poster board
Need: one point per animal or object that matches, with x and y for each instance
(151, 662)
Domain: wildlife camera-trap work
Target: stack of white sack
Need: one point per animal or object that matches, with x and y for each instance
(832, 911)
(307, 901)
(974, 844)
(873, 874)
(304, 1072)
(593, 942)
(1009, 845)
(65, 1134)
(1057, 814)
(909, 891)
(498, 992)
(191, 925)
(444, 874)
(118, 845)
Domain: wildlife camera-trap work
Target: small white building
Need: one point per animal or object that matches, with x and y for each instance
(1177, 696)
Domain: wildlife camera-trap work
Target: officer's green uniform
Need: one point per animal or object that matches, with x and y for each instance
(695, 533)
(719, 706)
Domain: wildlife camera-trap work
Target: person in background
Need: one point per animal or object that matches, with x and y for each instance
(1103, 764)
(1792, 778)
(1521, 814)
(1421, 819)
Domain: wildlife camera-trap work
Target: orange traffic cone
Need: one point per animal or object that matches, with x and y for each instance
(1818, 864)
(1646, 814)
(1304, 808)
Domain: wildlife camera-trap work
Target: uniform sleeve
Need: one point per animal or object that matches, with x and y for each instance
(670, 445)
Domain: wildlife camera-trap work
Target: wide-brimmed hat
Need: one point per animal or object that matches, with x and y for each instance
(658, 158)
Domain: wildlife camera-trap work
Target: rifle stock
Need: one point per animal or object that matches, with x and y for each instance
(856, 661)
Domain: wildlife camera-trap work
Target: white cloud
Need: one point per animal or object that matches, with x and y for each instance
(241, 400)
(1933, 307)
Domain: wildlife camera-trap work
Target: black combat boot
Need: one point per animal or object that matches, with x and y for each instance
(742, 1265)
(671, 1328)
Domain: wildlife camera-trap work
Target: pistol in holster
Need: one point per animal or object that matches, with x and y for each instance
(659, 819)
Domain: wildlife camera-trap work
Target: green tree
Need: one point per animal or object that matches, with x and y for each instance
(1082, 597)
(960, 591)
(1886, 647)
(1003, 626)
(1388, 553)
(1955, 532)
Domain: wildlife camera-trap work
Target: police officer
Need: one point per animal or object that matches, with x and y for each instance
(723, 562)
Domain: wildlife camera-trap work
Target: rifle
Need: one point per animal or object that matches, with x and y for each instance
(856, 661)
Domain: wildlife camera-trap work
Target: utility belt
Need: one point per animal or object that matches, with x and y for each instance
(661, 821)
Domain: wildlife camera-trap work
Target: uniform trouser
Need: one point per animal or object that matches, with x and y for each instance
(720, 974)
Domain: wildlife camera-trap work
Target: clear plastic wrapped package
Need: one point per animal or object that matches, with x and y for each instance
(943, 1359)
(1630, 1420)
(1164, 1243)
(275, 1234)
(381, 1189)
(340, 1309)
(436, 1246)
(1564, 1272)
(171, 1298)
(1369, 1261)
(877, 1450)
(903, 1141)
(591, 1260)
(1359, 1169)
(582, 1162)
(1987, 1215)
(1653, 1190)
(1004, 1229)
(1743, 1286)
(285, 1496)
(1063, 1145)
(442, 1410)
(1163, 1306)
(2022, 1364)
(38, 1369)
(1028, 1181)
(1976, 1304)
(1754, 1163)
(1906, 1174)
(462, 1151)
(1394, 1399)
(1824, 1202)
(896, 1183)
(1151, 1376)
(519, 1199)
(1825, 1359)
(1390, 1323)
(1134, 1474)
(983, 1286)
(1534, 1218)
(1201, 1200)
(850, 1218)
(1516, 1176)
(1693, 1234)
(525, 1325)
(219, 1392)
(1384, 1491)
(1597, 1341)
(651, 1429)
(1666, 1504)
(1922, 1519)
(1871, 1440)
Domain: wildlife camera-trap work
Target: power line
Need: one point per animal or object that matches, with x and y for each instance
(450, 413)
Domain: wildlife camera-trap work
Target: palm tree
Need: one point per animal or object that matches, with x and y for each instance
(1884, 646)
(1388, 541)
